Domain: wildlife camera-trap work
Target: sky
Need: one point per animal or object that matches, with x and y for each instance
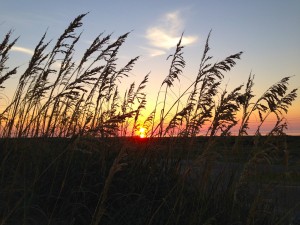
(268, 33)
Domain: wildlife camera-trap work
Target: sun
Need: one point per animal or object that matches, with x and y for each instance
(142, 132)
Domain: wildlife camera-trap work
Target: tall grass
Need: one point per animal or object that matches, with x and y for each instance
(78, 99)
(82, 98)
(92, 172)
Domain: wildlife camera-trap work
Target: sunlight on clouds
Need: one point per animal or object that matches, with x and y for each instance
(167, 34)
(160, 38)
(23, 50)
(154, 51)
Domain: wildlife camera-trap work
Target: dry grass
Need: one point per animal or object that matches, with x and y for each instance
(83, 98)
(110, 180)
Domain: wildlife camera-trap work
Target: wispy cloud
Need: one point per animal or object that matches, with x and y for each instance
(154, 51)
(166, 34)
(23, 50)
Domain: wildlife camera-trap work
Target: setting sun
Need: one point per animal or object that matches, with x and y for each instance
(142, 132)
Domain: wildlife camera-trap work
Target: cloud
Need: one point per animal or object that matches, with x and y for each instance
(166, 35)
(154, 51)
(23, 50)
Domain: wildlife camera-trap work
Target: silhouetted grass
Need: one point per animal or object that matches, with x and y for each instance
(69, 154)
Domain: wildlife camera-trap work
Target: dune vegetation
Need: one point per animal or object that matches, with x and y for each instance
(70, 153)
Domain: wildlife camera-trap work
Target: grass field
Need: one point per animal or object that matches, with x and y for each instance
(69, 153)
(151, 181)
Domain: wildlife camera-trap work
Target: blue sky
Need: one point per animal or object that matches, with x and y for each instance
(268, 33)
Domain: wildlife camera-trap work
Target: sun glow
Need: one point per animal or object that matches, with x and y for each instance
(142, 132)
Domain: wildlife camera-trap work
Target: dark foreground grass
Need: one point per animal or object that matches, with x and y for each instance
(65, 155)
(145, 181)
